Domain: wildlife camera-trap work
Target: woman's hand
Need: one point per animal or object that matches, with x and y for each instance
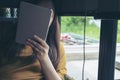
(41, 49)
(39, 46)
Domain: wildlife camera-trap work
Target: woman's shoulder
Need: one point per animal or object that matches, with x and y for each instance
(62, 50)
(61, 45)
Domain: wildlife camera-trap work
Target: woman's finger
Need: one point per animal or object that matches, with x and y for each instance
(36, 45)
(42, 42)
(34, 48)
(28, 43)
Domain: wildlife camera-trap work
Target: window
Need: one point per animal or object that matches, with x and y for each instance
(72, 36)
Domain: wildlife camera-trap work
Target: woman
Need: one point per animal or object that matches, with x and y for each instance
(37, 60)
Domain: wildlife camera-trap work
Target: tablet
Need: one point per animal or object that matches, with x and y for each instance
(32, 20)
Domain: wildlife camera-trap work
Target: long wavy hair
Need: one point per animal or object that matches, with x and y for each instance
(53, 37)
(53, 40)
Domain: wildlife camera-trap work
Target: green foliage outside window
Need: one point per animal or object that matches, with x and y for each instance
(75, 24)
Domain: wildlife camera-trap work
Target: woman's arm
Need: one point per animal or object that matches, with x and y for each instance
(49, 70)
(41, 49)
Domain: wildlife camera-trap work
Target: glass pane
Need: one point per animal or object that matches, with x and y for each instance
(72, 36)
(117, 62)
